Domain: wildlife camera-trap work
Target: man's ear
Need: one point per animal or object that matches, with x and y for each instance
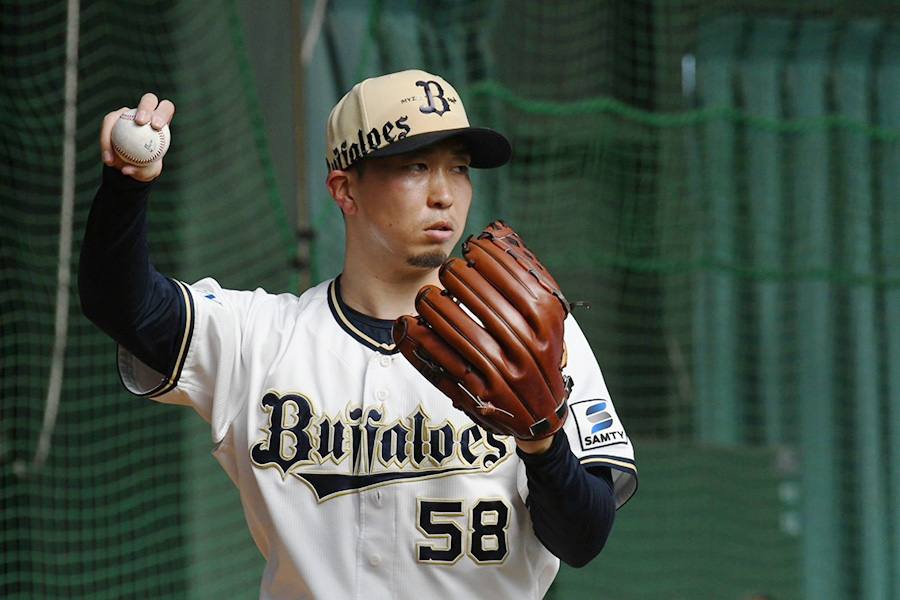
(338, 183)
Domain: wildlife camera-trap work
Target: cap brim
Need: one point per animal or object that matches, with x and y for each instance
(487, 148)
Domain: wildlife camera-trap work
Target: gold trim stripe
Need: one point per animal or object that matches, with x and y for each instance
(172, 379)
(628, 466)
(332, 292)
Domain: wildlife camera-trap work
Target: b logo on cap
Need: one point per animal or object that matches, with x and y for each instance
(429, 87)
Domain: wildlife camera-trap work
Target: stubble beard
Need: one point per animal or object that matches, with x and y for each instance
(428, 260)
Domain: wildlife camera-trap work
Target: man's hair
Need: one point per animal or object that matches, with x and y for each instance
(359, 167)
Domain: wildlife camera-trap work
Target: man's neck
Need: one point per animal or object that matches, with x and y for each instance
(381, 295)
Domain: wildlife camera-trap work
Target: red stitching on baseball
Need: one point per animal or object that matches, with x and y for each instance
(162, 144)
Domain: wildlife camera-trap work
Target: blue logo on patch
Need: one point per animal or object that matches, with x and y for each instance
(597, 414)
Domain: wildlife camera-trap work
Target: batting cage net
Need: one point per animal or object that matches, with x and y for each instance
(717, 178)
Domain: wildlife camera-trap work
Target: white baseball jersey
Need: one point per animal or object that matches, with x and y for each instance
(359, 479)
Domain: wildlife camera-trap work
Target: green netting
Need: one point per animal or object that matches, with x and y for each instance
(718, 179)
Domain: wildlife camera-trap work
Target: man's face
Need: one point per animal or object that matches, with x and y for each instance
(412, 208)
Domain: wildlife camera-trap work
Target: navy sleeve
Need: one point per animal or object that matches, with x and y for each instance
(572, 508)
(120, 290)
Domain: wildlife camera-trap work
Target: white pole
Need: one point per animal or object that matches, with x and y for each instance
(64, 264)
(313, 31)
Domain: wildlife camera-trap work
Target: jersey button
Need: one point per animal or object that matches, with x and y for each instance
(385, 361)
(382, 395)
(374, 560)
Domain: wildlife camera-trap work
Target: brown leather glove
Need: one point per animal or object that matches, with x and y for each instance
(492, 340)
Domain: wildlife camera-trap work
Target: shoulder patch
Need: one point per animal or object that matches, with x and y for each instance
(597, 424)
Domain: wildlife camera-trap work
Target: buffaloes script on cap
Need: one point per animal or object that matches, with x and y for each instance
(401, 112)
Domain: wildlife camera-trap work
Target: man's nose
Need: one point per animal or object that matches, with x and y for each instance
(440, 194)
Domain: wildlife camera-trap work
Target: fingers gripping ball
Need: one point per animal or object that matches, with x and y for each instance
(492, 339)
(139, 144)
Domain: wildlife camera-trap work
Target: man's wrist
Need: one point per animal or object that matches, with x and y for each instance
(535, 446)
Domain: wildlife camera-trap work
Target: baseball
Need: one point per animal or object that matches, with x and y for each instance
(139, 144)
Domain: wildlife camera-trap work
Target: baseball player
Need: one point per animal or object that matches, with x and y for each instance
(359, 477)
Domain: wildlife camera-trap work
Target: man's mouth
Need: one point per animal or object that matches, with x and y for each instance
(441, 226)
(441, 231)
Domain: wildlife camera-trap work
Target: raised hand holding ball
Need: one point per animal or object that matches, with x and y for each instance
(136, 144)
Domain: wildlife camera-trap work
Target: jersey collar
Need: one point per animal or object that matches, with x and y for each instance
(369, 331)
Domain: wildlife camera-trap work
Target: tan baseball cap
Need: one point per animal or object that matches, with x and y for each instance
(397, 113)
